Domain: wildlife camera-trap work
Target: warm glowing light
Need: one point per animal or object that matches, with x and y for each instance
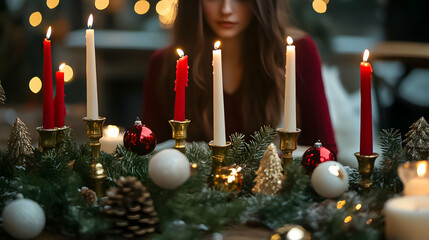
(194, 165)
(68, 73)
(163, 7)
(365, 55)
(276, 237)
(319, 6)
(52, 3)
(166, 20)
(35, 84)
(217, 45)
(90, 21)
(112, 131)
(348, 219)
(101, 4)
(295, 234)
(35, 19)
(289, 40)
(340, 204)
(358, 206)
(421, 169)
(369, 221)
(180, 52)
(48, 34)
(167, 12)
(61, 66)
(99, 169)
(334, 170)
(141, 7)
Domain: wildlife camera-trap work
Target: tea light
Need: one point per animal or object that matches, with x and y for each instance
(111, 138)
(407, 218)
(330, 179)
(415, 177)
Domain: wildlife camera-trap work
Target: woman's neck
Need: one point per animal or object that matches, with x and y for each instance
(232, 63)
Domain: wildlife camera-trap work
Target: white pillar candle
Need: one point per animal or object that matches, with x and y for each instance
(415, 177)
(112, 137)
(91, 75)
(407, 218)
(330, 179)
(219, 138)
(290, 92)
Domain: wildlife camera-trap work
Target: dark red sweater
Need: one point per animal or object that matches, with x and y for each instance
(314, 118)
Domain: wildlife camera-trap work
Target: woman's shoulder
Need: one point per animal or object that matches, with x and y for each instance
(159, 54)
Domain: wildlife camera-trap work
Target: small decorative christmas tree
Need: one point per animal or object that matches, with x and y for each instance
(2, 94)
(269, 176)
(417, 141)
(19, 148)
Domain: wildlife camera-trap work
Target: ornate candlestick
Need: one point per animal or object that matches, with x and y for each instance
(47, 138)
(288, 143)
(61, 132)
(96, 172)
(366, 166)
(179, 132)
(218, 157)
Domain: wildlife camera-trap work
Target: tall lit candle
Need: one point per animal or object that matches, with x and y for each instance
(219, 138)
(91, 73)
(60, 109)
(181, 83)
(48, 102)
(366, 112)
(290, 92)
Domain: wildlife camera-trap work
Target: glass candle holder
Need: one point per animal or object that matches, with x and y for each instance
(415, 177)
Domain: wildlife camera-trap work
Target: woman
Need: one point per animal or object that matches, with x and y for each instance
(253, 34)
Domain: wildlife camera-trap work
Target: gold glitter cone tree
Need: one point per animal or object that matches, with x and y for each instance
(19, 148)
(2, 94)
(130, 208)
(269, 176)
(417, 141)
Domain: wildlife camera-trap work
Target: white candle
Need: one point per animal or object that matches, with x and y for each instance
(290, 92)
(415, 177)
(91, 75)
(407, 218)
(219, 138)
(112, 137)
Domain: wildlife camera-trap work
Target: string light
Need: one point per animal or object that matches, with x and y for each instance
(35, 84)
(358, 206)
(340, 204)
(348, 219)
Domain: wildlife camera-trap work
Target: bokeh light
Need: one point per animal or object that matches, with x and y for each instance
(68, 73)
(52, 3)
(35, 19)
(319, 6)
(101, 4)
(141, 7)
(167, 12)
(162, 7)
(35, 84)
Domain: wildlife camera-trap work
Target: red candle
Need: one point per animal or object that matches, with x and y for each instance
(48, 103)
(366, 113)
(60, 109)
(181, 83)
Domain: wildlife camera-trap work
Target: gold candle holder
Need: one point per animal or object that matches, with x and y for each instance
(179, 132)
(288, 144)
(95, 132)
(61, 132)
(218, 157)
(366, 166)
(47, 138)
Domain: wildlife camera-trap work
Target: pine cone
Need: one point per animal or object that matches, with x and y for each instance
(88, 195)
(131, 209)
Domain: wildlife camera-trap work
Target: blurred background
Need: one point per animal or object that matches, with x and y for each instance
(128, 31)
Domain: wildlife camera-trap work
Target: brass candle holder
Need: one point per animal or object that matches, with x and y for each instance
(218, 157)
(288, 144)
(366, 167)
(61, 132)
(96, 173)
(179, 132)
(47, 138)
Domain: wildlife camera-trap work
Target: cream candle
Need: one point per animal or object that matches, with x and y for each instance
(415, 177)
(112, 137)
(219, 138)
(290, 88)
(91, 73)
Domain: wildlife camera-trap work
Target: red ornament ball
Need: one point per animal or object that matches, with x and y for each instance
(315, 156)
(139, 139)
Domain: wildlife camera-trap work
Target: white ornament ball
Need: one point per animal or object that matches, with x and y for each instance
(169, 168)
(23, 219)
(330, 179)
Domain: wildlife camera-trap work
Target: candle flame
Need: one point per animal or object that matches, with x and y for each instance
(61, 66)
(365, 55)
(421, 169)
(112, 131)
(90, 21)
(48, 34)
(217, 45)
(334, 170)
(289, 40)
(180, 52)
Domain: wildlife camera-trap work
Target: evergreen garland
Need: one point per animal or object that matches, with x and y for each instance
(193, 210)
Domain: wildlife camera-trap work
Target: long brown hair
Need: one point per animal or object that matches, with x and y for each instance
(262, 85)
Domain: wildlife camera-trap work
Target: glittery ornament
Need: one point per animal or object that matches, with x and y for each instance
(315, 156)
(139, 139)
(228, 178)
(269, 176)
